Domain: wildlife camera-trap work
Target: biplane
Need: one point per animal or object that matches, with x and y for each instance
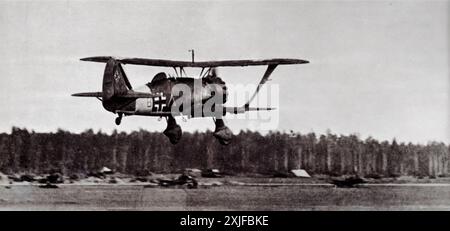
(179, 95)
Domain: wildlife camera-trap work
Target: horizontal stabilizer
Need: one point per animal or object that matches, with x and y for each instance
(88, 94)
(130, 94)
(239, 110)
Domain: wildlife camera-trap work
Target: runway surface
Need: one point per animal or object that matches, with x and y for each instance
(246, 196)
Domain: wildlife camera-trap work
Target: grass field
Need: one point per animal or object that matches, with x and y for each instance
(226, 197)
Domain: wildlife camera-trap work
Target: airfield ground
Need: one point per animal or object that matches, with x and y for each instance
(234, 194)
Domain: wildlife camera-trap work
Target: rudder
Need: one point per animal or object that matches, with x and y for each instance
(115, 81)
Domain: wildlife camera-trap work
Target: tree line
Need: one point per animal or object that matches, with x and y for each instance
(249, 153)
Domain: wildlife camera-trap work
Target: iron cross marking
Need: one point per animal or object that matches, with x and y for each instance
(159, 103)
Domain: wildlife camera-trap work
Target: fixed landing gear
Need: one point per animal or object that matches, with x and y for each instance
(119, 119)
(222, 132)
(173, 130)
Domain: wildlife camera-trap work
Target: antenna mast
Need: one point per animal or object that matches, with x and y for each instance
(192, 54)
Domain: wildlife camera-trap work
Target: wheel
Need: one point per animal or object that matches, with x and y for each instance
(118, 120)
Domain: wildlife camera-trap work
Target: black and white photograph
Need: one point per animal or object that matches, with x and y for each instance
(300, 105)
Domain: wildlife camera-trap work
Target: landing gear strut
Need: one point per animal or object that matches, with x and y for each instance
(222, 132)
(173, 130)
(119, 119)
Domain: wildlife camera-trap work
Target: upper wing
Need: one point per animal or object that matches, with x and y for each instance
(203, 64)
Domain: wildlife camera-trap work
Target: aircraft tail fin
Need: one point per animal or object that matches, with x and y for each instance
(115, 81)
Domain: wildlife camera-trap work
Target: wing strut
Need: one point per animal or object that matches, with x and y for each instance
(269, 70)
(246, 107)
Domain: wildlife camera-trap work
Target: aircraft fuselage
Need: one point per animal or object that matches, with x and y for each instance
(182, 95)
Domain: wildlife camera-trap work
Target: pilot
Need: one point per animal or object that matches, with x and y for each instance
(159, 76)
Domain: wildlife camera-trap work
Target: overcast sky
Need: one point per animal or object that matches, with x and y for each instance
(378, 68)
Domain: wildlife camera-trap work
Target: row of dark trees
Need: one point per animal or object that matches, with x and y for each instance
(250, 152)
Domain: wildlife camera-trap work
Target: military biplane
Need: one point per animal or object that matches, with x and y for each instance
(161, 98)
